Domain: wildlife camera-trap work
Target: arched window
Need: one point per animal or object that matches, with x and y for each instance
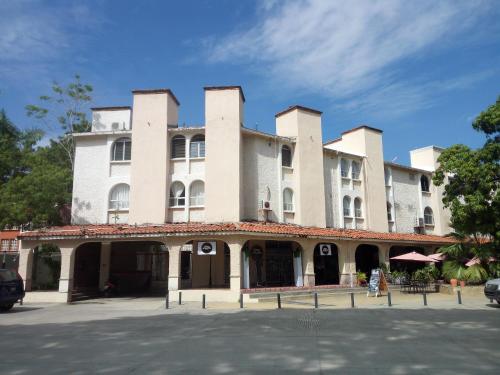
(424, 183)
(428, 216)
(286, 156)
(356, 170)
(178, 147)
(389, 211)
(197, 146)
(344, 168)
(346, 204)
(118, 197)
(357, 207)
(122, 149)
(197, 193)
(288, 199)
(177, 194)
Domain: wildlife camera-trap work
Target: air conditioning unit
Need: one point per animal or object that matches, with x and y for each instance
(115, 126)
(419, 222)
(265, 205)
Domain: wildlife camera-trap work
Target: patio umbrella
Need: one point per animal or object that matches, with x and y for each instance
(438, 257)
(476, 260)
(414, 257)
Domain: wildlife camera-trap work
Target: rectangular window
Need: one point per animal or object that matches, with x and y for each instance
(197, 150)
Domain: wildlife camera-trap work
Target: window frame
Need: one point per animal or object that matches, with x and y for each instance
(360, 208)
(428, 215)
(358, 171)
(290, 158)
(427, 183)
(125, 141)
(196, 199)
(111, 202)
(344, 173)
(288, 206)
(200, 147)
(346, 210)
(175, 147)
(173, 201)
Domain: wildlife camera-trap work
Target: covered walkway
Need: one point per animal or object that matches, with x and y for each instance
(223, 258)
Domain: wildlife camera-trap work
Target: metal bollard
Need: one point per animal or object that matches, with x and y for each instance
(352, 299)
(315, 300)
(21, 302)
(166, 300)
(203, 302)
(425, 298)
(389, 301)
(180, 298)
(279, 301)
(241, 300)
(459, 296)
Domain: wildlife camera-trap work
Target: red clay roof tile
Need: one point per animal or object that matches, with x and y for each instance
(104, 230)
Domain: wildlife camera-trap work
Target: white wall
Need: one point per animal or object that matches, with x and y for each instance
(406, 199)
(260, 171)
(103, 120)
(94, 176)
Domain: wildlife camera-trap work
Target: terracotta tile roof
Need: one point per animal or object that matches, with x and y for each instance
(9, 234)
(117, 230)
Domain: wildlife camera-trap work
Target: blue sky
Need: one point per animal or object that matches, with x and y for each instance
(420, 71)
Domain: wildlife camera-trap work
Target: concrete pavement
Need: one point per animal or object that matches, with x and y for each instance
(139, 336)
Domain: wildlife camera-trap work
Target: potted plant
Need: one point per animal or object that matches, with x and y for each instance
(361, 278)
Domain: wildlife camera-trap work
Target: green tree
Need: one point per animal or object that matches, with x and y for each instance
(472, 179)
(65, 111)
(35, 181)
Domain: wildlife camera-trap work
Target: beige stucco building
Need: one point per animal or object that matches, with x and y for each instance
(150, 198)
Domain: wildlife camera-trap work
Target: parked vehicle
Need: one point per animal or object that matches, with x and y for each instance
(492, 290)
(11, 289)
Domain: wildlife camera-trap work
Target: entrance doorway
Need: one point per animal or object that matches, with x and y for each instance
(87, 266)
(326, 264)
(273, 264)
(367, 259)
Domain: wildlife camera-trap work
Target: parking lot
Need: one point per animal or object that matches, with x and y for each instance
(139, 336)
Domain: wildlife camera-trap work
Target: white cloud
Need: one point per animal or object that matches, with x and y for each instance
(33, 35)
(349, 50)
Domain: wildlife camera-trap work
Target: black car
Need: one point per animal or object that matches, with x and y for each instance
(11, 289)
(492, 290)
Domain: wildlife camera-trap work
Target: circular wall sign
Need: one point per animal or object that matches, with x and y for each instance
(206, 248)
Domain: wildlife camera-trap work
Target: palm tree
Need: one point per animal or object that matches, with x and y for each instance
(459, 253)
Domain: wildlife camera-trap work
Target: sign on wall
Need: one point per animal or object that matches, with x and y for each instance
(325, 249)
(207, 248)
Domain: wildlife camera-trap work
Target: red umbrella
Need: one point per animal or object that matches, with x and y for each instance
(414, 257)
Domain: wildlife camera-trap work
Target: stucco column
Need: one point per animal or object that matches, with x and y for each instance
(308, 261)
(104, 264)
(383, 253)
(235, 261)
(347, 263)
(67, 270)
(26, 265)
(174, 266)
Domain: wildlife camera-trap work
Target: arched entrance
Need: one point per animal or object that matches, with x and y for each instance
(326, 264)
(205, 264)
(87, 266)
(367, 259)
(46, 267)
(401, 265)
(139, 268)
(272, 264)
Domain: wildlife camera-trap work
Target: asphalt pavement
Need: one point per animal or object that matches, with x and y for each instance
(138, 336)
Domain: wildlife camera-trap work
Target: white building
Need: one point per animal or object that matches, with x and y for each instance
(140, 173)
